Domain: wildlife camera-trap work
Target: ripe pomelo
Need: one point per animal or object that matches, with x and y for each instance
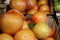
(4, 36)
(11, 21)
(39, 17)
(20, 5)
(25, 35)
(42, 2)
(44, 8)
(41, 30)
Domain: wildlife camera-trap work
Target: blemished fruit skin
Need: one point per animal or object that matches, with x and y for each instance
(41, 30)
(11, 22)
(4, 36)
(25, 35)
(39, 17)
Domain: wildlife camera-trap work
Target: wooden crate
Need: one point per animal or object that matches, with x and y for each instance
(0, 1)
(2, 8)
(52, 23)
(59, 24)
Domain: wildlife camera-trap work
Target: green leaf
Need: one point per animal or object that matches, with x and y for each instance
(31, 25)
(57, 7)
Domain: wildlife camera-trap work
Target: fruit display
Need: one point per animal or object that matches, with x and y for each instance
(28, 20)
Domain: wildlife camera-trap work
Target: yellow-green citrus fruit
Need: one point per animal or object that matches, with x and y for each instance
(41, 30)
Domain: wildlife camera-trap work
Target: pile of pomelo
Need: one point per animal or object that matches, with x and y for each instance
(25, 22)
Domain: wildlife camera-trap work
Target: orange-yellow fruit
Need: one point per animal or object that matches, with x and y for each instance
(44, 8)
(41, 30)
(18, 4)
(11, 21)
(51, 32)
(42, 2)
(24, 35)
(4, 36)
(39, 17)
